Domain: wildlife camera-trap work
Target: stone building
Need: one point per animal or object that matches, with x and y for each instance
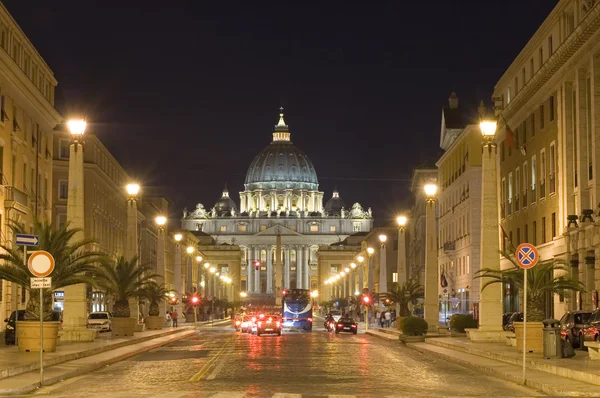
(27, 118)
(459, 198)
(548, 104)
(281, 197)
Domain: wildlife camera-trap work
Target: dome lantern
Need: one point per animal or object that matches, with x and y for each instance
(281, 129)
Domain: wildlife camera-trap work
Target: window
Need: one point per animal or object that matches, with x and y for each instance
(531, 69)
(510, 193)
(508, 95)
(516, 85)
(63, 149)
(518, 236)
(588, 126)
(63, 189)
(356, 227)
(552, 175)
(242, 228)
(550, 50)
(517, 187)
(526, 230)
(551, 108)
(23, 295)
(263, 227)
(525, 179)
(541, 56)
(542, 117)
(223, 228)
(3, 115)
(2, 179)
(523, 77)
(542, 173)
(395, 277)
(332, 228)
(24, 176)
(532, 117)
(534, 233)
(543, 230)
(533, 178)
(314, 228)
(61, 219)
(503, 196)
(553, 225)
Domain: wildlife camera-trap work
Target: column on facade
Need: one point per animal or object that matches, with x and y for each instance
(273, 200)
(249, 201)
(431, 305)
(371, 274)
(361, 277)
(299, 265)
(242, 202)
(352, 282)
(257, 289)
(250, 273)
(302, 207)
(306, 272)
(383, 269)
(319, 204)
(582, 146)
(189, 285)
(177, 274)
(286, 267)
(269, 269)
(311, 203)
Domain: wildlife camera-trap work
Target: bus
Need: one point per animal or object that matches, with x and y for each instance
(297, 310)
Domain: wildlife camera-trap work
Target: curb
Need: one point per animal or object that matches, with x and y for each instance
(18, 370)
(90, 368)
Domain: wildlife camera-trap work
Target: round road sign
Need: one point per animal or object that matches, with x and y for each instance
(41, 263)
(527, 255)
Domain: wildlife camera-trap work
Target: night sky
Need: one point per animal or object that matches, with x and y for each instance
(185, 93)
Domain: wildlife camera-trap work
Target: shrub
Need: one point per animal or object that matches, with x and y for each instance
(460, 322)
(413, 326)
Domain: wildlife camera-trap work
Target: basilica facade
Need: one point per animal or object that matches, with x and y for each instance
(281, 198)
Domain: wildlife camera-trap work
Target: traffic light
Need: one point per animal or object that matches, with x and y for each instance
(284, 292)
(257, 265)
(366, 300)
(195, 300)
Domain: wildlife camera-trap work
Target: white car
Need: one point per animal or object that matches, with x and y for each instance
(99, 321)
(337, 315)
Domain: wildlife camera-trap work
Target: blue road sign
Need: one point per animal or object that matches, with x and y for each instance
(27, 240)
(527, 255)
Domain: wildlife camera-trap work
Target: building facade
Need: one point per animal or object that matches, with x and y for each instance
(548, 103)
(459, 198)
(27, 118)
(280, 198)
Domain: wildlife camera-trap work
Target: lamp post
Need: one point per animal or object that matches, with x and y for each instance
(383, 287)
(161, 221)
(189, 264)
(371, 273)
(177, 274)
(401, 266)
(131, 246)
(431, 266)
(490, 299)
(361, 276)
(75, 300)
(197, 273)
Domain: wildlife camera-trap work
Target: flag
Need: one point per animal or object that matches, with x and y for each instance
(505, 238)
(511, 137)
(443, 281)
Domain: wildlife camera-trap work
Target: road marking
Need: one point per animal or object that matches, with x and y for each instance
(219, 367)
(211, 362)
(229, 394)
(284, 395)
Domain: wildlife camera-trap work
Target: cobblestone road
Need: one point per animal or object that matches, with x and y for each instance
(220, 363)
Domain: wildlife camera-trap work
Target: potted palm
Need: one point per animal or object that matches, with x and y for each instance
(407, 293)
(73, 264)
(543, 281)
(154, 293)
(124, 280)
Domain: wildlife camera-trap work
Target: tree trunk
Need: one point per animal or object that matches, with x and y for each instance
(153, 310)
(32, 312)
(535, 308)
(121, 309)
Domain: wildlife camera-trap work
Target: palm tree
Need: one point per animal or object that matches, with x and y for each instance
(73, 263)
(154, 293)
(124, 280)
(409, 292)
(547, 277)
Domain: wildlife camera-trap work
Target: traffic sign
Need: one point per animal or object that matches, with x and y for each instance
(41, 263)
(40, 283)
(527, 255)
(27, 240)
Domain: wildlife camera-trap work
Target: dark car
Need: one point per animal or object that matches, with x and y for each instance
(268, 325)
(346, 324)
(505, 319)
(515, 317)
(589, 332)
(571, 325)
(10, 333)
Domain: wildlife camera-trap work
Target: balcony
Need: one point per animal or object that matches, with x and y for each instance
(449, 247)
(16, 199)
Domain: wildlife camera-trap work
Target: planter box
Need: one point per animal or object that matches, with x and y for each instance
(123, 326)
(154, 322)
(412, 339)
(534, 337)
(28, 336)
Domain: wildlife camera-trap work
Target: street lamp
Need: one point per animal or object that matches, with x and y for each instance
(77, 128)
(431, 267)
(383, 238)
(178, 237)
(132, 189)
(199, 259)
(353, 265)
(160, 220)
(383, 286)
(401, 268)
(190, 250)
(177, 265)
(371, 269)
(243, 294)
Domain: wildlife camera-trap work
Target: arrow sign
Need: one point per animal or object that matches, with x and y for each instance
(27, 240)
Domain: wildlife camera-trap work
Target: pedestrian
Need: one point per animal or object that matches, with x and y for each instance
(382, 319)
(388, 318)
(174, 316)
(168, 318)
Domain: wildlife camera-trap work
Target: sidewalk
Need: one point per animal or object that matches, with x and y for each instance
(19, 371)
(577, 376)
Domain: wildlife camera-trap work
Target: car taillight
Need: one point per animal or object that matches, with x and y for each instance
(278, 324)
(310, 319)
(253, 319)
(340, 325)
(592, 330)
(283, 319)
(353, 326)
(237, 322)
(259, 323)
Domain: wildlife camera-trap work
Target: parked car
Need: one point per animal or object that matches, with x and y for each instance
(571, 324)
(10, 332)
(589, 332)
(100, 320)
(505, 318)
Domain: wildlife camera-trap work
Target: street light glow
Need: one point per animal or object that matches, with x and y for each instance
(212, 270)
(360, 259)
(198, 258)
(133, 189)
(337, 277)
(314, 293)
(243, 294)
(488, 128)
(430, 190)
(161, 220)
(370, 250)
(347, 269)
(178, 237)
(382, 238)
(77, 127)
(342, 274)
(401, 220)
(353, 265)
(206, 265)
(190, 249)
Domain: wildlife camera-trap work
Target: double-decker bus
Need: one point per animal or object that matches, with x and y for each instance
(297, 310)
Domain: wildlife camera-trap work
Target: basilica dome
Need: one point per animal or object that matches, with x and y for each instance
(281, 165)
(225, 205)
(335, 204)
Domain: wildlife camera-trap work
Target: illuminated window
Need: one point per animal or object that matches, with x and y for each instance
(242, 228)
(395, 277)
(263, 227)
(356, 227)
(332, 228)
(223, 228)
(314, 228)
